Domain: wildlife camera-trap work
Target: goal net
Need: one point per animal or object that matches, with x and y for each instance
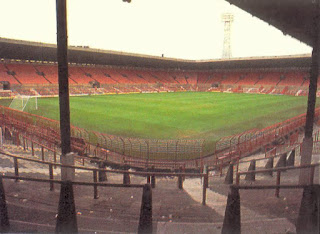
(24, 103)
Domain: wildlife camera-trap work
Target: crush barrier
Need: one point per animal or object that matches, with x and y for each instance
(278, 171)
(180, 175)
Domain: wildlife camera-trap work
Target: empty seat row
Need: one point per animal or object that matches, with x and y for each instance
(48, 74)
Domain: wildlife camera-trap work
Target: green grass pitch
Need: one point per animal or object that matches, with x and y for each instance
(188, 115)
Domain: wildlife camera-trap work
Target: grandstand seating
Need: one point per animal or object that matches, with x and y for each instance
(148, 77)
(203, 77)
(50, 72)
(120, 76)
(132, 76)
(121, 80)
(231, 78)
(215, 78)
(4, 76)
(100, 75)
(26, 74)
(6, 93)
(191, 78)
(47, 91)
(306, 80)
(293, 78)
(179, 77)
(165, 76)
(249, 79)
(270, 78)
(78, 76)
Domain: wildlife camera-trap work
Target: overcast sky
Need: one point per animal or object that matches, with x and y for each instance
(189, 29)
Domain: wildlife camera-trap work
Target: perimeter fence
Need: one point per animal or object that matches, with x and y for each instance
(150, 149)
(48, 132)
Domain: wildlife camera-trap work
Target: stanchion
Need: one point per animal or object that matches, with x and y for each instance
(153, 178)
(145, 222)
(66, 219)
(180, 179)
(95, 187)
(126, 175)
(269, 165)
(291, 158)
(102, 174)
(229, 176)
(51, 177)
(16, 168)
(251, 176)
(282, 161)
(4, 218)
(42, 153)
(308, 219)
(232, 222)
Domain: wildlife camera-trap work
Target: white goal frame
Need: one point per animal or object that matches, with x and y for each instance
(20, 102)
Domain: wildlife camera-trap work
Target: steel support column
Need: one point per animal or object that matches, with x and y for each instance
(307, 145)
(62, 55)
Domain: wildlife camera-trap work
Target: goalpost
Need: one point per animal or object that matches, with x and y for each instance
(23, 102)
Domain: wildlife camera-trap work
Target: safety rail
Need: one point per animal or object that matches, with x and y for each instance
(279, 170)
(66, 217)
(274, 156)
(225, 160)
(158, 163)
(236, 160)
(42, 146)
(266, 158)
(126, 173)
(260, 138)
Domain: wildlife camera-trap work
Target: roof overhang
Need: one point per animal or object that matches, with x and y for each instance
(35, 51)
(293, 17)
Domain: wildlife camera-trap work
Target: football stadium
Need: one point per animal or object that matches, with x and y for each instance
(97, 140)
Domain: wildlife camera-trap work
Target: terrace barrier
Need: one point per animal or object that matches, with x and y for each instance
(66, 218)
(125, 173)
(279, 170)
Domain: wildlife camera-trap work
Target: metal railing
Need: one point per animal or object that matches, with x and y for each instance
(95, 171)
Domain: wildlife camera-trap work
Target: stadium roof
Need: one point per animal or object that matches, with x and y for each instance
(292, 17)
(26, 50)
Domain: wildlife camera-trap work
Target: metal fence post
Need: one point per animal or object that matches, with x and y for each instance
(204, 189)
(277, 193)
(95, 187)
(16, 168)
(51, 177)
(42, 153)
(32, 149)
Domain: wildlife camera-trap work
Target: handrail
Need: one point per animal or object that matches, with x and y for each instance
(107, 170)
(40, 144)
(96, 170)
(274, 156)
(279, 169)
(73, 182)
(284, 186)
